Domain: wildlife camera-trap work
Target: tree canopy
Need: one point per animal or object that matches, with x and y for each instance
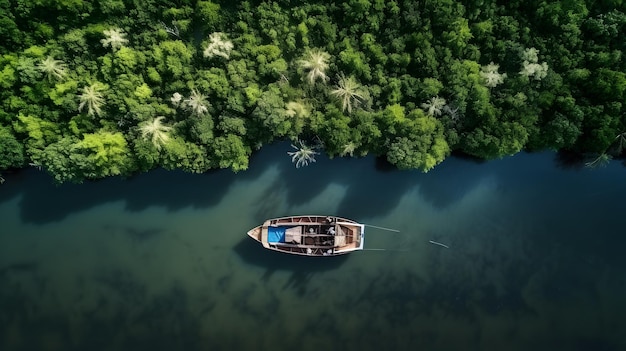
(97, 88)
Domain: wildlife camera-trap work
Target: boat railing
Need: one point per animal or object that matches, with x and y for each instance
(304, 246)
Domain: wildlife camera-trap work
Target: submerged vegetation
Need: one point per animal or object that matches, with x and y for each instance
(87, 85)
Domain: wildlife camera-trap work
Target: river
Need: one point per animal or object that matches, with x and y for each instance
(161, 261)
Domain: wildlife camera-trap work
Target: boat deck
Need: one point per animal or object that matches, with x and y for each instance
(309, 235)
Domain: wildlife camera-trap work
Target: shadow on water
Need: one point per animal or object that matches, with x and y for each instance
(42, 201)
(368, 192)
(301, 269)
(373, 187)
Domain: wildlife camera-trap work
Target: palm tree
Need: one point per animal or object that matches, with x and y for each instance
(350, 92)
(115, 38)
(315, 63)
(92, 98)
(53, 68)
(219, 45)
(303, 154)
(156, 131)
(602, 160)
(197, 103)
(434, 106)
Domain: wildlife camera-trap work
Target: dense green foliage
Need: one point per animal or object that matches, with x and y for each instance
(94, 88)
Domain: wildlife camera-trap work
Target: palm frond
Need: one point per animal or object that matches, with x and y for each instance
(219, 45)
(155, 131)
(114, 38)
(434, 106)
(349, 92)
(303, 154)
(600, 161)
(197, 103)
(91, 98)
(53, 68)
(315, 64)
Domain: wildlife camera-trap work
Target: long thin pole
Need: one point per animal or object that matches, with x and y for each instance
(439, 244)
(385, 250)
(383, 228)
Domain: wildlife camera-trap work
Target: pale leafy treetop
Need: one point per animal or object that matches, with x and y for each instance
(297, 109)
(490, 75)
(350, 92)
(303, 154)
(53, 68)
(531, 66)
(176, 99)
(197, 103)
(530, 55)
(219, 45)
(434, 106)
(156, 131)
(115, 38)
(537, 71)
(92, 99)
(315, 63)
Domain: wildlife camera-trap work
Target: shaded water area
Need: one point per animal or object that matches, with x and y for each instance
(161, 261)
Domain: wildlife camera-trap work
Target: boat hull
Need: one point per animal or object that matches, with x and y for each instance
(310, 235)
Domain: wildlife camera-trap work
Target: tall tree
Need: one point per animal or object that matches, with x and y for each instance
(303, 155)
(115, 38)
(350, 92)
(315, 64)
(155, 131)
(218, 45)
(53, 69)
(13, 151)
(92, 99)
(197, 103)
(434, 106)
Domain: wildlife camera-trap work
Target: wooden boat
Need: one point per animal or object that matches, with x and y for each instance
(310, 235)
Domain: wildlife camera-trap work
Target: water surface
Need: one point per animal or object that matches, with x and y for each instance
(161, 261)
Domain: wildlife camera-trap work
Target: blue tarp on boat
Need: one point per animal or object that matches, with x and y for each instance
(276, 234)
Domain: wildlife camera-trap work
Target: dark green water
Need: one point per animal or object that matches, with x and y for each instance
(161, 261)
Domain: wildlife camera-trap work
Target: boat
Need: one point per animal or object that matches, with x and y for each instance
(310, 235)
